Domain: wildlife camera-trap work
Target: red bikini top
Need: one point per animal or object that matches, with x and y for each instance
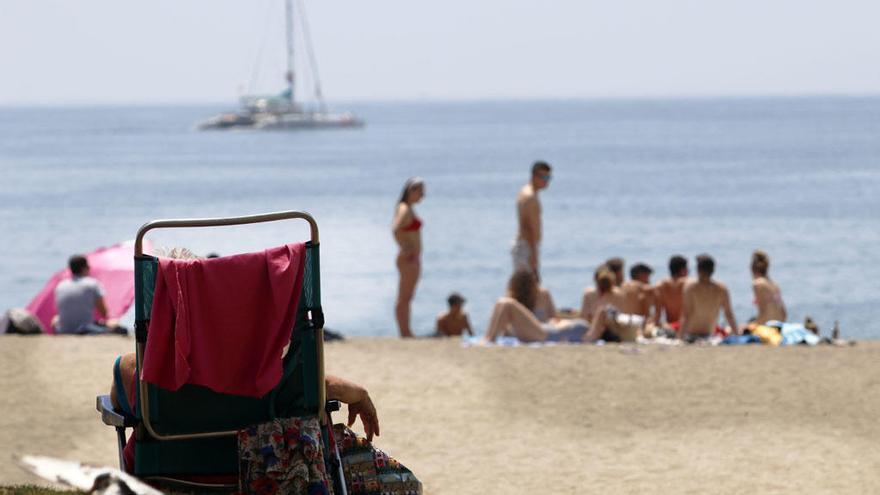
(414, 226)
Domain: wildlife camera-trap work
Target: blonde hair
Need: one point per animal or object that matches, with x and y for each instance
(177, 253)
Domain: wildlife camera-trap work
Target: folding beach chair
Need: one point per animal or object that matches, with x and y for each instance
(187, 438)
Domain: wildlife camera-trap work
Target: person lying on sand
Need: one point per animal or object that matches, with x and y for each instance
(703, 299)
(545, 308)
(526, 289)
(512, 315)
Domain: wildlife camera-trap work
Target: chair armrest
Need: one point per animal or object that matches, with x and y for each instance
(110, 416)
(332, 406)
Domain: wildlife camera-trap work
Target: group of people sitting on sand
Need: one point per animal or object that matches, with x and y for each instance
(613, 310)
(619, 310)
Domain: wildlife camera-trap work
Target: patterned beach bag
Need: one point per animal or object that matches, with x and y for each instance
(369, 471)
(285, 456)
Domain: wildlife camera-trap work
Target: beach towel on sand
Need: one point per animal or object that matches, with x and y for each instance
(792, 333)
(223, 323)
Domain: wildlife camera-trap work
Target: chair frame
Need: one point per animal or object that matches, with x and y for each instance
(221, 222)
(112, 417)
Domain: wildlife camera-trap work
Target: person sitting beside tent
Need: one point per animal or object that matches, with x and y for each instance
(78, 299)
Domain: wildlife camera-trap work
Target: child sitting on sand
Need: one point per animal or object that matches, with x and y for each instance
(454, 322)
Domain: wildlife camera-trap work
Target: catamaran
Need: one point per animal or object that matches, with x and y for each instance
(281, 111)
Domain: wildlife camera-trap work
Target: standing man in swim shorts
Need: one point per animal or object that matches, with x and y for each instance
(528, 211)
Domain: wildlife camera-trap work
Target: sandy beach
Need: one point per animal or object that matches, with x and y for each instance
(566, 419)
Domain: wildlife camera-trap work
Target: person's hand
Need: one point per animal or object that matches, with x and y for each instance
(358, 400)
(365, 409)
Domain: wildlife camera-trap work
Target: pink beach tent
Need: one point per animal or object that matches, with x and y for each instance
(112, 266)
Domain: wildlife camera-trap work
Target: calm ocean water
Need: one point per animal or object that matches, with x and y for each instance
(643, 180)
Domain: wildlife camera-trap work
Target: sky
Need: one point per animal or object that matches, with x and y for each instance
(199, 51)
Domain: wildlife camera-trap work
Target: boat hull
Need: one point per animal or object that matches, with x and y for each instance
(281, 121)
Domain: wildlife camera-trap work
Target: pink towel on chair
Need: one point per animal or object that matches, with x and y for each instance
(223, 323)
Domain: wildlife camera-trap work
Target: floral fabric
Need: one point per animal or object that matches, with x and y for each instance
(286, 456)
(283, 456)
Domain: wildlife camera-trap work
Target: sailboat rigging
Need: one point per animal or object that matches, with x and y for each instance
(282, 111)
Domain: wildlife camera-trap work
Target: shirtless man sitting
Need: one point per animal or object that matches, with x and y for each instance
(670, 293)
(638, 294)
(703, 299)
(454, 322)
(768, 297)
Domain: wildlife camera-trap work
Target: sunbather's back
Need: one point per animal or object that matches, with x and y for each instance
(703, 300)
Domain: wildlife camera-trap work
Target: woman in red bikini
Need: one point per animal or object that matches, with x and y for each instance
(406, 228)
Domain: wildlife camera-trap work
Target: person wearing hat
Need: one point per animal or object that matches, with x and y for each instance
(454, 322)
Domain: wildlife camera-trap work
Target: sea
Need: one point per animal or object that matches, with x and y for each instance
(642, 179)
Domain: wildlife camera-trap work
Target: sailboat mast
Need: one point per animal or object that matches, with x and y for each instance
(289, 18)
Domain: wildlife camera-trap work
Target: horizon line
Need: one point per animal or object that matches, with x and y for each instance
(475, 99)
